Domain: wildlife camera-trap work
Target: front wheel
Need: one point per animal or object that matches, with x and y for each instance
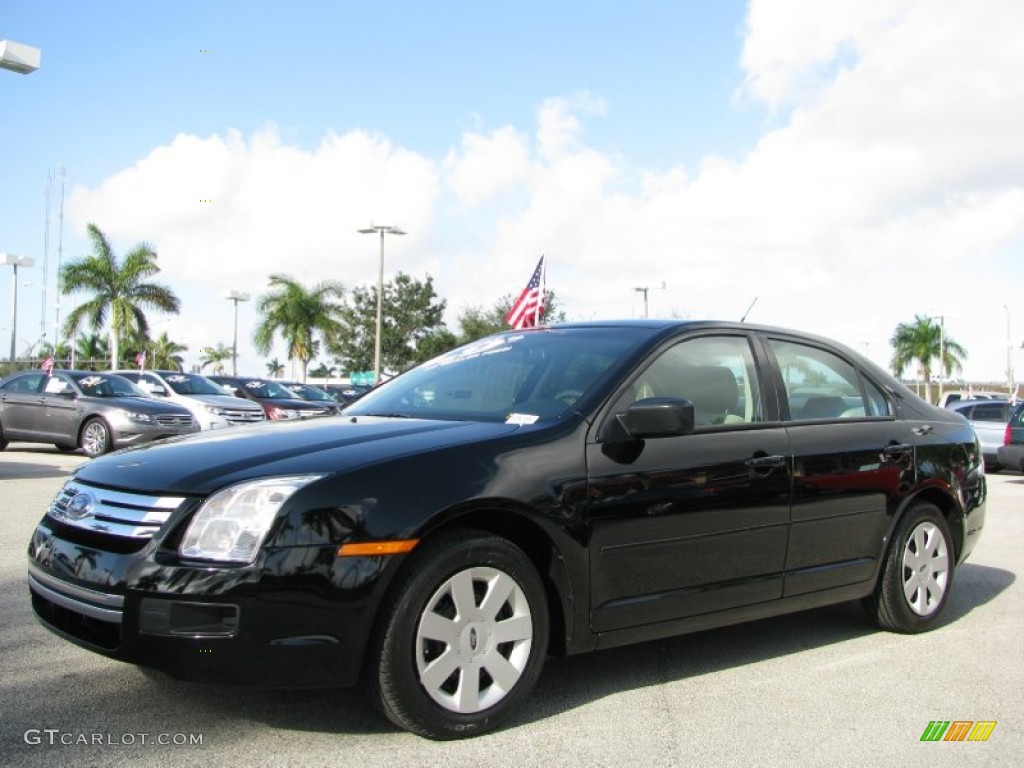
(462, 637)
(95, 438)
(914, 586)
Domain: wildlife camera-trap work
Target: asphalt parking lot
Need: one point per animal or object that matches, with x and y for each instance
(820, 688)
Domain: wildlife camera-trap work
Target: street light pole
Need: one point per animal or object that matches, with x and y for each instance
(15, 261)
(380, 291)
(235, 296)
(1011, 384)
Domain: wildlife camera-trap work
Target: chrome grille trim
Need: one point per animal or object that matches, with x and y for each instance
(126, 515)
(65, 599)
(243, 416)
(174, 421)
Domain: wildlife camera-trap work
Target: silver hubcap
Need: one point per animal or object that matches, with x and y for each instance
(473, 640)
(94, 439)
(925, 569)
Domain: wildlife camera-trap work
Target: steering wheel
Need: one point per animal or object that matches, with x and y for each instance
(569, 396)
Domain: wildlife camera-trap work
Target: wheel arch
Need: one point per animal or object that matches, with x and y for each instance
(949, 508)
(517, 526)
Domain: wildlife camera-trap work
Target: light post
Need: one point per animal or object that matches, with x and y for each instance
(1011, 384)
(56, 326)
(644, 291)
(380, 291)
(942, 354)
(235, 296)
(17, 57)
(15, 261)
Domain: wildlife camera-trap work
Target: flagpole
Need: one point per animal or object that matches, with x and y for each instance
(543, 290)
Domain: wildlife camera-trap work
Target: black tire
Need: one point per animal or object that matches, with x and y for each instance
(916, 579)
(993, 469)
(3, 442)
(419, 619)
(95, 437)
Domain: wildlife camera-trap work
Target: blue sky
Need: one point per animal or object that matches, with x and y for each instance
(841, 166)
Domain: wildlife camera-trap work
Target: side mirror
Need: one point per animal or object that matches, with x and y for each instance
(652, 417)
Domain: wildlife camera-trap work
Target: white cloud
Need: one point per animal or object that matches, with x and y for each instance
(894, 169)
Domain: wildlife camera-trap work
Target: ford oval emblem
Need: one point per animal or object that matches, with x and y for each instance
(80, 506)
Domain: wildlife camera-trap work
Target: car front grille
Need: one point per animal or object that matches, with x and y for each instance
(175, 421)
(115, 513)
(243, 415)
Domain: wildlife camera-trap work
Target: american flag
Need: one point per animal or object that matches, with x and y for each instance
(529, 307)
(48, 365)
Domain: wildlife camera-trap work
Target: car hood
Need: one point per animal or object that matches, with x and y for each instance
(226, 401)
(201, 464)
(140, 405)
(295, 404)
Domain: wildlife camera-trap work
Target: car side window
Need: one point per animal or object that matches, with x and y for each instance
(715, 373)
(820, 385)
(55, 385)
(987, 412)
(27, 383)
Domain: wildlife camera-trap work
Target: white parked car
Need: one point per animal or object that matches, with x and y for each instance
(956, 395)
(212, 408)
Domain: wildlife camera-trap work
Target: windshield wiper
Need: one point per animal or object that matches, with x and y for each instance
(390, 415)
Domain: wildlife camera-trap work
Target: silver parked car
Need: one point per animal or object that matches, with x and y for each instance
(988, 418)
(96, 412)
(210, 406)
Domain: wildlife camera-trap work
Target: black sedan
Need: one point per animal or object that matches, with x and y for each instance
(82, 409)
(550, 491)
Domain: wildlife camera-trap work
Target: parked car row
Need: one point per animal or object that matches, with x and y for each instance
(99, 412)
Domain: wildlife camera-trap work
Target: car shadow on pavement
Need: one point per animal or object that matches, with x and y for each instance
(136, 698)
(23, 470)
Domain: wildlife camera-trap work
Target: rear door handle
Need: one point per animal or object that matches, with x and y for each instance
(896, 452)
(766, 463)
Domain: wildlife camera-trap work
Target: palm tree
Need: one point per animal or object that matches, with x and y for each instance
(216, 356)
(119, 291)
(166, 353)
(275, 368)
(924, 341)
(299, 315)
(90, 347)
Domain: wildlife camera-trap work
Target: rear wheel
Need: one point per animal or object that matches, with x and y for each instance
(95, 440)
(462, 637)
(918, 574)
(3, 442)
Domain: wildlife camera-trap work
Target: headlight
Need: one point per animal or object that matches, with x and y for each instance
(216, 410)
(230, 526)
(283, 413)
(141, 418)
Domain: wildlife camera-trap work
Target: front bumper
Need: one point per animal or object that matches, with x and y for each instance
(299, 618)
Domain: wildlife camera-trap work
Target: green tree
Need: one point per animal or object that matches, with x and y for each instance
(90, 349)
(299, 316)
(923, 341)
(275, 368)
(119, 291)
(216, 357)
(412, 329)
(166, 353)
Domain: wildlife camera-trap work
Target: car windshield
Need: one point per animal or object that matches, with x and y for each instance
(266, 390)
(191, 384)
(515, 377)
(106, 385)
(309, 392)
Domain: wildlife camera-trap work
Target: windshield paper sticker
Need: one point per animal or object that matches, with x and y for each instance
(522, 418)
